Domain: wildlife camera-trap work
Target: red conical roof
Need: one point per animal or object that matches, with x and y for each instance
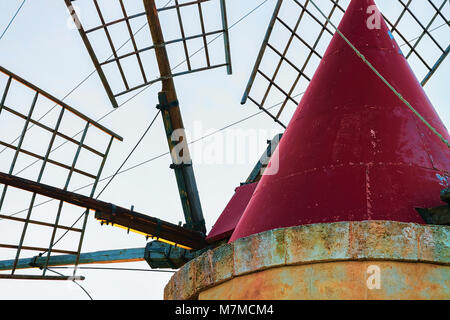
(353, 150)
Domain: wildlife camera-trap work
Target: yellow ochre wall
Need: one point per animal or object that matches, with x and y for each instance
(342, 260)
(337, 281)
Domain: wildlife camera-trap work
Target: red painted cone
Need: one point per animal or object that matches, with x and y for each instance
(353, 150)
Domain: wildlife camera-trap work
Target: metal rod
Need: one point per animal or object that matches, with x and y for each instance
(427, 27)
(40, 223)
(62, 135)
(108, 24)
(276, 86)
(86, 213)
(173, 76)
(181, 5)
(399, 18)
(407, 43)
(226, 36)
(283, 55)
(69, 177)
(314, 17)
(421, 25)
(261, 52)
(267, 112)
(166, 43)
(111, 44)
(19, 145)
(10, 246)
(439, 12)
(5, 93)
(133, 41)
(436, 66)
(137, 15)
(205, 42)
(33, 198)
(59, 164)
(32, 277)
(183, 36)
(293, 32)
(291, 91)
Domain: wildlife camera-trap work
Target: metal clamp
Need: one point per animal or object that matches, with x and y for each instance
(181, 165)
(167, 256)
(166, 107)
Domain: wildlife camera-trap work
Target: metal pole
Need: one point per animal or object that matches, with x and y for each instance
(173, 123)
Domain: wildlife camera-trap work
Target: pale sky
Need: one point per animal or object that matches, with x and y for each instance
(41, 47)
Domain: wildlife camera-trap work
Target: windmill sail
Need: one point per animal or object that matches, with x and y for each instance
(294, 45)
(62, 160)
(135, 56)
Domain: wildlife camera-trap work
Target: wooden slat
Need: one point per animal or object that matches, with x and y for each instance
(31, 277)
(11, 246)
(45, 224)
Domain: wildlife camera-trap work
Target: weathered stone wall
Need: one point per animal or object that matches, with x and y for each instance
(323, 261)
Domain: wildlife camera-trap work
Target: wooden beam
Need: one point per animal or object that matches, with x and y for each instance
(173, 122)
(107, 211)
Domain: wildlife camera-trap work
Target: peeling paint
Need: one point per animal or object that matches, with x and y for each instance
(327, 258)
(443, 180)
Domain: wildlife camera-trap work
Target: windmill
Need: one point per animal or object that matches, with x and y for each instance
(175, 245)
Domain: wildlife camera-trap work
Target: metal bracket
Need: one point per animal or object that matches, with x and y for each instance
(161, 255)
(174, 166)
(164, 106)
(437, 215)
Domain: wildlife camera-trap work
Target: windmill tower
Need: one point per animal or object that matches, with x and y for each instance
(336, 216)
(347, 203)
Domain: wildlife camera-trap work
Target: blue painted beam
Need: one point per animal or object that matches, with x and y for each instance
(158, 255)
(108, 256)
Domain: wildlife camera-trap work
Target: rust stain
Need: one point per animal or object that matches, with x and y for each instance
(337, 280)
(368, 192)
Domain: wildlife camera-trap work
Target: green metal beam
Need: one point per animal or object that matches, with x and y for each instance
(258, 170)
(445, 195)
(437, 215)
